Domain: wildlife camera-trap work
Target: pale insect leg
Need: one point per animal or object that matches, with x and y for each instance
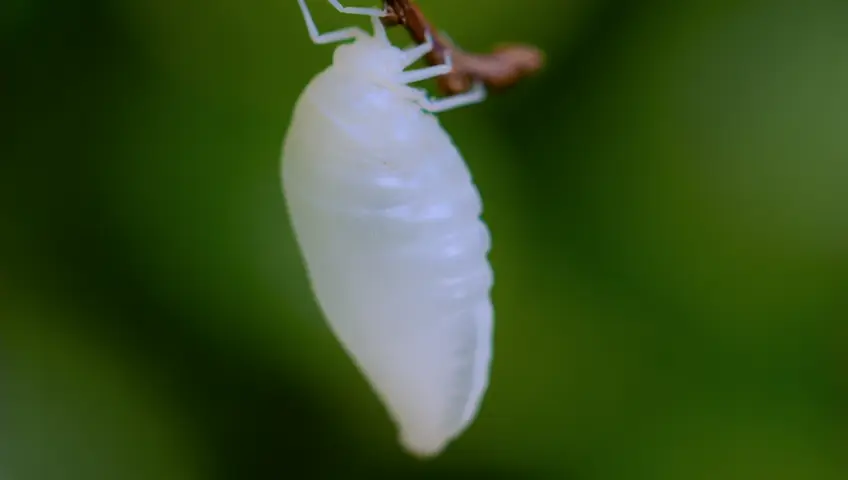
(370, 12)
(379, 30)
(338, 35)
(412, 55)
(413, 76)
(476, 95)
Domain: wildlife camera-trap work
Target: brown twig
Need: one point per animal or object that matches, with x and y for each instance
(501, 69)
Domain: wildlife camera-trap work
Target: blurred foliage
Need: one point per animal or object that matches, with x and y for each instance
(669, 207)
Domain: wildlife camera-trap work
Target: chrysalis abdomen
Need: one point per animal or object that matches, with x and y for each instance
(388, 220)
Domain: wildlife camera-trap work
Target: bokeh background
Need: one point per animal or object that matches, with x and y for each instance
(669, 207)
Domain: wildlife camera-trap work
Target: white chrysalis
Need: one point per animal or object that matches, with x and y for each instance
(388, 221)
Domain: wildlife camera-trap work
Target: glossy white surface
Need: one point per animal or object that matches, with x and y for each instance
(388, 221)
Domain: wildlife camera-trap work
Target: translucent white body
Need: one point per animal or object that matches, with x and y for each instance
(388, 222)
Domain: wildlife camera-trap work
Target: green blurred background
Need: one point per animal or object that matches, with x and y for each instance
(669, 208)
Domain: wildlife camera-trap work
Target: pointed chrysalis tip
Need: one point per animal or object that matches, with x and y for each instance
(423, 451)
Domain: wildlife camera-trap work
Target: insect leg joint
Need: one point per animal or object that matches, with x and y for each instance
(476, 95)
(428, 72)
(370, 12)
(329, 37)
(414, 54)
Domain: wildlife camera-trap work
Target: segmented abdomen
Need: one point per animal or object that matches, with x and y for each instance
(396, 253)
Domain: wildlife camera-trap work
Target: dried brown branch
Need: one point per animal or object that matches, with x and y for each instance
(503, 68)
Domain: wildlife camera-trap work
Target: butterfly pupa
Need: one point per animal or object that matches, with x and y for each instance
(387, 219)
